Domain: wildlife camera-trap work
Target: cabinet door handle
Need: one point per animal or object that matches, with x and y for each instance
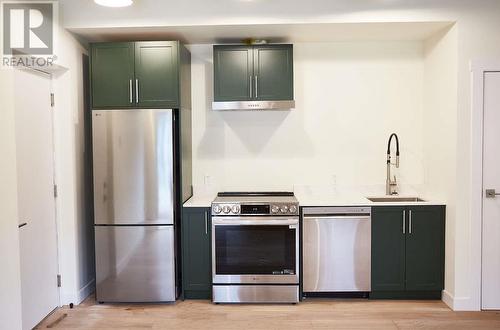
(404, 221)
(250, 84)
(206, 223)
(409, 216)
(130, 90)
(137, 91)
(22, 225)
(256, 86)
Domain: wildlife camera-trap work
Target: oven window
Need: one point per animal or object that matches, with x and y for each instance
(248, 250)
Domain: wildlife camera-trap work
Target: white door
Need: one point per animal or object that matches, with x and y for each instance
(491, 204)
(36, 203)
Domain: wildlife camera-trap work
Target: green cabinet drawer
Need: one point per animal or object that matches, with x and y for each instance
(196, 253)
(112, 72)
(408, 251)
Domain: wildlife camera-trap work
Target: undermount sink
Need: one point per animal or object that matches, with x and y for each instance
(389, 199)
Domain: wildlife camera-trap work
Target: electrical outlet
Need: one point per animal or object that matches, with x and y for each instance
(334, 179)
(207, 180)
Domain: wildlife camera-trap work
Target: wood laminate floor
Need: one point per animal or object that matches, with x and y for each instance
(310, 314)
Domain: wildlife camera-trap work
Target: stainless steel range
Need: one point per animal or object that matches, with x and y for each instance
(255, 248)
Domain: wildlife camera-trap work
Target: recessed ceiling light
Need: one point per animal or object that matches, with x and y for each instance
(114, 3)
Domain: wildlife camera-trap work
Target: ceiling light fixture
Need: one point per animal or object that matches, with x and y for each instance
(114, 3)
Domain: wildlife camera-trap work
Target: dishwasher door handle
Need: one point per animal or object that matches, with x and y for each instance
(339, 217)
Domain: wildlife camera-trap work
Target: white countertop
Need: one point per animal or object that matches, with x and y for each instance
(329, 197)
(335, 200)
(200, 200)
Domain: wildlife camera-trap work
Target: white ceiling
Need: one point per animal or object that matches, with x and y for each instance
(325, 32)
(85, 13)
(199, 21)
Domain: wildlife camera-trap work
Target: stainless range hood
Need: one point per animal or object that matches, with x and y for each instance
(254, 105)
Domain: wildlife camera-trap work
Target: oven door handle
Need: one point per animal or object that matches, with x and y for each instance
(227, 222)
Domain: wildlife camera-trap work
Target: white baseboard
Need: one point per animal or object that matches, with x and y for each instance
(77, 297)
(447, 298)
(86, 291)
(459, 303)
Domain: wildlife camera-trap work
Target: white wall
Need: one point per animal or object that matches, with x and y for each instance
(349, 97)
(478, 39)
(75, 231)
(10, 284)
(440, 133)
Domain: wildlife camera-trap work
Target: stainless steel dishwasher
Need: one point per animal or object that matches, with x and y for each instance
(336, 250)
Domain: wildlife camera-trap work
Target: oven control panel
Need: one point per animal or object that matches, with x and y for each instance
(255, 209)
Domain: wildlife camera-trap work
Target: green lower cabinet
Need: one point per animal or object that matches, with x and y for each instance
(425, 249)
(408, 252)
(388, 249)
(196, 253)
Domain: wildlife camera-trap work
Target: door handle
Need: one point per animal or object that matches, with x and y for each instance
(137, 91)
(22, 225)
(409, 220)
(250, 84)
(206, 223)
(256, 87)
(130, 90)
(404, 221)
(491, 193)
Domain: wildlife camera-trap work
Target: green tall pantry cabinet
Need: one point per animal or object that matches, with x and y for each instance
(408, 252)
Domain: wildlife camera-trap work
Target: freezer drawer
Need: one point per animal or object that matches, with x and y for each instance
(135, 263)
(336, 252)
(133, 166)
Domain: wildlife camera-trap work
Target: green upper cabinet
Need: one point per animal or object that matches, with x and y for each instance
(112, 74)
(135, 74)
(388, 248)
(273, 72)
(425, 248)
(251, 73)
(408, 251)
(196, 253)
(233, 71)
(156, 74)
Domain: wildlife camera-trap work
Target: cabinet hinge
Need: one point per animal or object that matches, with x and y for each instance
(52, 100)
(58, 280)
(55, 191)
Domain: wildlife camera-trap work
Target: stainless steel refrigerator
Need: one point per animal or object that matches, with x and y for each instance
(137, 199)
